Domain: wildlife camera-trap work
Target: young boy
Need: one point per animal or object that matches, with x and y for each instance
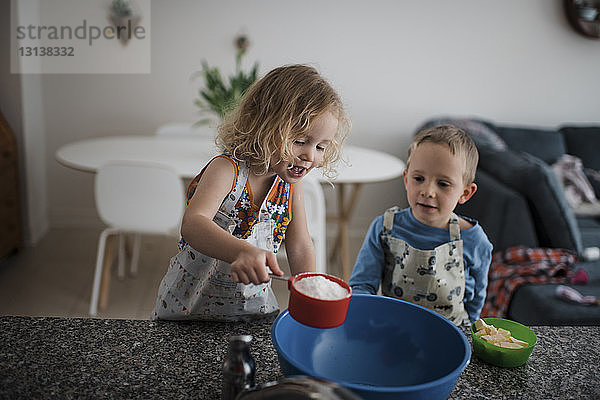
(425, 253)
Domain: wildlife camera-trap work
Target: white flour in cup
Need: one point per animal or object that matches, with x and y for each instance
(320, 287)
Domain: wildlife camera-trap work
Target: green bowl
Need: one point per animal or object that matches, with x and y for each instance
(500, 356)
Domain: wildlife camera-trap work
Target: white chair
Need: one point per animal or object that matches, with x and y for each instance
(135, 197)
(185, 129)
(314, 202)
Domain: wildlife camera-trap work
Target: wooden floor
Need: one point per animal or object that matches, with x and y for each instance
(54, 278)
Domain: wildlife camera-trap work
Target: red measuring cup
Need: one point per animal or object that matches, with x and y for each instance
(312, 311)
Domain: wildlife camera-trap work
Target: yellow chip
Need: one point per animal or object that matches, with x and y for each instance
(503, 332)
(480, 324)
(510, 345)
(517, 341)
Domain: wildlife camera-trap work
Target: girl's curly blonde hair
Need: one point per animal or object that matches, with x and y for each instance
(277, 110)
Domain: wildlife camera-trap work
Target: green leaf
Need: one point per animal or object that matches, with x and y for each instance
(218, 96)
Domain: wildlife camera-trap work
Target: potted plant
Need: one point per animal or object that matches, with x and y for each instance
(219, 96)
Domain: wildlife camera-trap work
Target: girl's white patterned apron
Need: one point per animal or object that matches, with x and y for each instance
(199, 287)
(431, 278)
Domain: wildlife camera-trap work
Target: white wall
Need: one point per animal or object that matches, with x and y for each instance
(29, 127)
(395, 63)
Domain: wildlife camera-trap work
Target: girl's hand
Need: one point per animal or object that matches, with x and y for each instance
(249, 266)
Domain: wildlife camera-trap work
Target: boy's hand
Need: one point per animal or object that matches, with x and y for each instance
(249, 266)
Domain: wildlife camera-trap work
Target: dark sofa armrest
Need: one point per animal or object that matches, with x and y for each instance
(502, 212)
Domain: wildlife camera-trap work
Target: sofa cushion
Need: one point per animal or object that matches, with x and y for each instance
(510, 224)
(547, 145)
(555, 222)
(590, 232)
(538, 305)
(583, 142)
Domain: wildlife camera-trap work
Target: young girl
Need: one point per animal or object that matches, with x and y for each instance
(248, 199)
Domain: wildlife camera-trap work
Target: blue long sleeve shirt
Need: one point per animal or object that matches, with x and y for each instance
(477, 255)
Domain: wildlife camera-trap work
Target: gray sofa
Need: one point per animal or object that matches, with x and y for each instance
(520, 202)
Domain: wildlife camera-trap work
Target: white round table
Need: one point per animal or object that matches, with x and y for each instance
(361, 166)
(365, 165)
(188, 154)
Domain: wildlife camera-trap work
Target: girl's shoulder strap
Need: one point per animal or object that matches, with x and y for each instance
(242, 170)
(191, 189)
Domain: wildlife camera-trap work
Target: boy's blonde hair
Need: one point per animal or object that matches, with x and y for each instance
(278, 109)
(457, 140)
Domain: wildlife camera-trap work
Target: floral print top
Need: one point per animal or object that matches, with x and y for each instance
(278, 205)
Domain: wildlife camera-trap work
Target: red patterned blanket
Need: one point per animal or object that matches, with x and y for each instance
(521, 265)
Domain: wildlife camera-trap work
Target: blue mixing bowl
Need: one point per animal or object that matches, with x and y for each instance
(386, 349)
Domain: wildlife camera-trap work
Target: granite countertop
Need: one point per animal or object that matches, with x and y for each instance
(94, 358)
